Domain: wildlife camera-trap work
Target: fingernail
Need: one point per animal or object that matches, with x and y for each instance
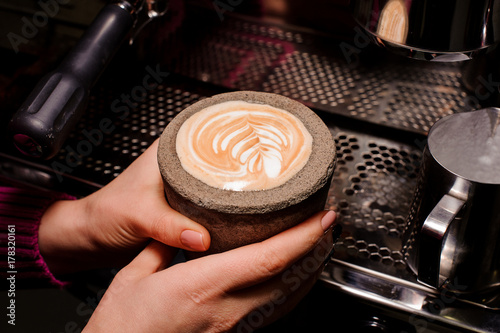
(192, 240)
(327, 220)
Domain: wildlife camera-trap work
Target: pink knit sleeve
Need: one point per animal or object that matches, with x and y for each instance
(20, 213)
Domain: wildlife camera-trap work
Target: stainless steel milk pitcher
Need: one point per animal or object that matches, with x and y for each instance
(452, 236)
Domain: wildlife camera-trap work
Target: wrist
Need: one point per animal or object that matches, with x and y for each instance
(62, 237)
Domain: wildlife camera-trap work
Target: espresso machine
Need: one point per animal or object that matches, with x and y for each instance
(380, 73)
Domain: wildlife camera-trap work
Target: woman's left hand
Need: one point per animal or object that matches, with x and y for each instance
(109, 227)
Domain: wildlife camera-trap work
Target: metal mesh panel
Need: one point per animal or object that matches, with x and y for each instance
(379, 88)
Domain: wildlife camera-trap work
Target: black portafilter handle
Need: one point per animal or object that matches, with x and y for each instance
(44, 121)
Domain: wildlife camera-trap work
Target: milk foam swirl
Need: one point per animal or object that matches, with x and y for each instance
(239, 146)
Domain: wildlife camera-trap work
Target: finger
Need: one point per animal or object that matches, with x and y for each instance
(158, 220)
(267, 305)
(263, 303)
(261, 261)
(146, 162)
(295, 277)
(155, 257)
(174, 229)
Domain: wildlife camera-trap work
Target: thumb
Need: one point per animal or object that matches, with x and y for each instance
(174, 229)
(155, 257)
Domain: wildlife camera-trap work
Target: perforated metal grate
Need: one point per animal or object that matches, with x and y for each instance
(372, 191)
(378, 88)
(133, 132)
(312, 79)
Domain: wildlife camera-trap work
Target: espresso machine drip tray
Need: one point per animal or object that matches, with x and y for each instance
(378, 106)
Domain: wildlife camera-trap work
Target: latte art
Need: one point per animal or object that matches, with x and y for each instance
(239, 146)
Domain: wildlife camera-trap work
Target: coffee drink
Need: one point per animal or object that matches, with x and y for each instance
(238, 145)
(246, 165)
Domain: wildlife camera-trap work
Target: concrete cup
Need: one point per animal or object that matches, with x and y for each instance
(237, 218)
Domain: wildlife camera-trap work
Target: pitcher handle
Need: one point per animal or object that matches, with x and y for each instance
(432, 240)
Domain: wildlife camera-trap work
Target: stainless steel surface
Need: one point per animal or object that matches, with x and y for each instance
(431, 30)
(146, 11)
(424, 308)
(453, 226)
(432, 243)
(378, 107)
(372, 191)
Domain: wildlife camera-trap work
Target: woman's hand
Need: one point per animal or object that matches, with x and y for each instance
(240, 290)
(111, 226)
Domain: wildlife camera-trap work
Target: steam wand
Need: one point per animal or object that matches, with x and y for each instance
(44, 121)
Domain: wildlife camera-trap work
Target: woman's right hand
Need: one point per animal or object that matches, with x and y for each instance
(239, 290)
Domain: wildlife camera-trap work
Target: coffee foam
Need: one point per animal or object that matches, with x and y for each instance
(243, 146)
